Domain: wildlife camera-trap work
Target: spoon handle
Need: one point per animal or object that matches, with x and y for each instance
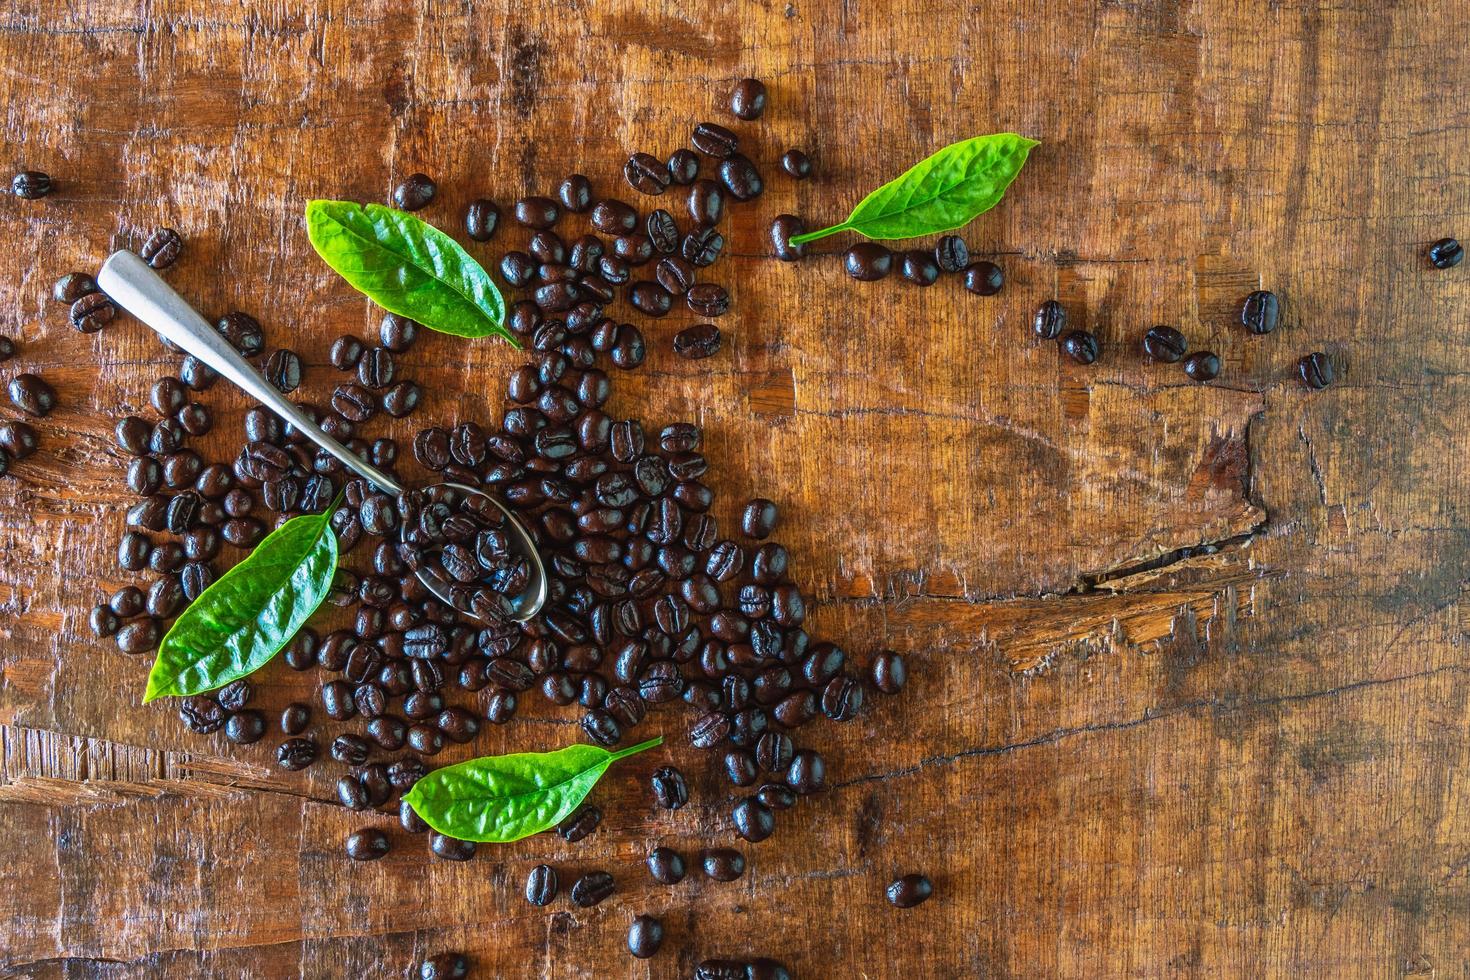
(135, 287)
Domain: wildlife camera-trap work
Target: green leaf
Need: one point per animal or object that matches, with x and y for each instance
(407, 267)
(502, 798)
(939, 193)
(244, 619)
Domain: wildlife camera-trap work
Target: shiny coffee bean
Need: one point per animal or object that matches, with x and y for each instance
(753, 820)
(714, 140)
(783, 229)
(808, 772)
(1446, 253)
(919, 267)
(31, 185)
(696, 342)
(415, 192)
(910, 890)
(1261, 312)
(741, 178)
(868, 261)
(723, 863)
(706, 202)
(1081, 346)
(32, 395)
(580, 823)
(646, 174)
(613, 217)
(72, 287)
(683, 166)
(951, 253)
(92, 312)
(797, 164)
(242, 331)
(1165, 344)
(888, 672)
(1315, 371)
(984, 278)
(708, 299)
(1202, 365)
(1049, 320)
(451, 848)
(541, 885)
(748, 98)
(669, 788)
(666, 866)
(758, 519)
(592, 888)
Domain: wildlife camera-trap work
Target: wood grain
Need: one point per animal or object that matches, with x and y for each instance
(1189, 693)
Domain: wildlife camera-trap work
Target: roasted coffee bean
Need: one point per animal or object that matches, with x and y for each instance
(72, 287)
(650, 298)
(808, 772)
(132, 434)
(410, 820)
(722, 970)
(612, 217)
(783, 229)
(868, 261)
(388, 732)
(32, 395)
(195, 577)
(774, 752)
(645, 936)
(666, 866)
(696, 342)
(370, 700)
(451, 848)
(283, 370)
(401, 399)
(351, 794)
(541, 885)
(646, 174)
(725, 561)
(710, 730)
(196, 374)
(1081, 346)
(708, 299)
(758, 519)
(235, 695)
(683, 167)
(753, 820)
(366, 845)
(1446, 253)
(889, 673)
(776, 796)
(633, 249)
(675, 275)
(444, 966)
(702, 246)
(580, 823)
(575, 193)
(245, 727)
(162, 248)
(481, 219)
(1202, 365)
(415, 192)
(662, 231)
(714, 140)
(629, 350)
(951, 253)
(345, 352)
(139, 636)
(103, 620)
(842, 698)
(748, 98)
(919, 267)
(984, 278)
(144, 476)
(601, 727)
(201, 714)
(592, 888)
(1315, 370)
(1049, 320)
(354, 402)
(375, 369)
(262, 425)
(167, 437)
(242, 331)
(669, 788)
(706, 202)
(296, 753)
(294, 718)
(350, 749)
(31, 184)
(518, 268)
(910, 890)
(1165, 344)
(92, 312)
(551, 252)
(740, 767)
(195, 419)
(1260, 312)
(723, 863)
(168, 395)
(741, 178)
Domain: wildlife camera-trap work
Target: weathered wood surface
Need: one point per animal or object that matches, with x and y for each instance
(1241, 763)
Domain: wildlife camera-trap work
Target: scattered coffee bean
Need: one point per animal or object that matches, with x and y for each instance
(666, 866)
(72, 287)
(723, 863)
(714, 140)
(580, 823)
(1081, 346)
(699, 341)
(797, 164)
(1260, 312)
(32, 395)
(1202, 365)
(162, 248)
(753, 820)
(1165, 344)
(951, 253)
(748, 98)
(592, 888)
(31, 184)
(645, 936)
(539, 213)
(889, 672)
(669, 789)
(910, 890)
(296, 753)
(481, 219)
(984, 278)
(646, 174)
(541, 885)
(451, 848)
(1049, 320)
(740, 177)
(416, 191)
(919, 267)
(868, 261)
(92, 312)
(18, 439)
(1446, 253)
(1315, 371)
(782, 230)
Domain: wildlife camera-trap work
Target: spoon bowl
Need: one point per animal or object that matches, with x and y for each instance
(135, 287)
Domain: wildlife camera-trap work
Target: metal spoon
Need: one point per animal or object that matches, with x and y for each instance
(131, 284)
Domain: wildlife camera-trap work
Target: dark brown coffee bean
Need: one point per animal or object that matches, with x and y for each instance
(910, 890)
(31, 185)
(613, 217)
(145, 476)
(888, 672)
(401, 399)
(783, 229)
(202, 714)
(92, 312)
(633, 249)
(539, 213)
(748, 98)
(702, 246)
(345, 352)
(415, 192)
(580, 823)
(32, 395)
(662, 231)
(196, 374)
(162, 248)
(1049, 320)
(666, 866)
(808, 772)
(797, 164)
(283, 370)
(375, 368)
(369, 844)
(951, 253)
(444, 966)
(592, 888)
(645, 936)
(868, 261)
(753, 820)
(723, 863)
(481, 219)
(714, 140)
(741, 178)
(683, 167)
(575, 193)
(1081, 346)
(296, 753)
(242, 331)
(1202, 365)
(1261, 312)
(984, 278)
(706, 202)
(776, 796)
(646, 174)
(245, 727)
(354, 402)
(139, 636)
(1446, 253)
(708, 299)
(699, 341)
(919, 267)
(1315, 371)
(710, 730)
(541, 885)
(72, 287)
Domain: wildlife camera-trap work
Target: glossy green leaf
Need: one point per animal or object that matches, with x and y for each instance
(502, 798)
(939, 193)
(407, 267)
(246, 616)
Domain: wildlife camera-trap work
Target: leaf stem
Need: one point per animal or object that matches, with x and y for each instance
(635, 749)
(812, 236)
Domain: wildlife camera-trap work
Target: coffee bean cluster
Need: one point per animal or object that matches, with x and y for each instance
(870, 261)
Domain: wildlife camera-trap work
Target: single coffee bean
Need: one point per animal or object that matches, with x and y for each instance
(708, 299)
(139, 636)
(1446, 253)
(683, 166)
(722, 970)
(797, 164)
(783, 229)
(910, 890)
(591, 889)
(1165, 344)
(375, 368)
(714, 140)
(32, 395)
(669, 788)
(242, 331)
(706, 202)
(103, 620)
(748, 98)
(919, 267)
(702, 246)
(580, 823)
(345, 352)
(397, 333)
(31, 184)
(92, 312)
(1202, 365)
(196, 374)
(723, 863)
(753, 820)
(1315, 371)
(444, 966)
(808, 772)
(401, 399)
(72, 287)
(666, 866)
(984, 278)
(541, 885)
(699, 341)
(539, 213)
(245, 727)
(951, 253)
(613, 217)
(674, 274)
(296, 753)
(575, 193)
(451, 848)
(868, 261)
(481, 219)
(283, 370)
(367, 845)
(416, 191)
(1260, 312)
(842, 699)
(741, 178)
(162, 248)
(646, 174)
(201, 714)
(1049, 320)
(889, 672)
(1080, 346)
(662, 231)
(645, 936)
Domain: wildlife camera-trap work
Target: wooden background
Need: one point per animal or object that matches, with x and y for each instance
(1114, 758)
